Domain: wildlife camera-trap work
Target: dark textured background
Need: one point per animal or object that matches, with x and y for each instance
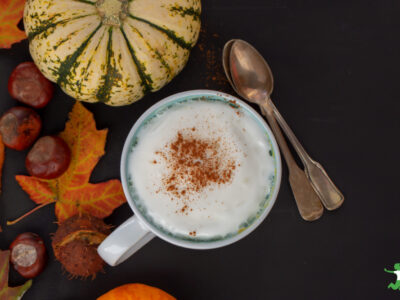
(337, 70)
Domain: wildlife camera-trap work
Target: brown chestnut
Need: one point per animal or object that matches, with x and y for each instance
(20, 127)
(28, 85)
(49, 158)
(28, 254)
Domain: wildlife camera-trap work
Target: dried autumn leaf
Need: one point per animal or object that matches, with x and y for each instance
(6, 292)
(11, 12)
(72, 192)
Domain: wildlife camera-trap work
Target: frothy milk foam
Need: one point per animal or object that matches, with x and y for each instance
(201, 169)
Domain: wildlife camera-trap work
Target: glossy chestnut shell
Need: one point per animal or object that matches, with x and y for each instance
(28, 254)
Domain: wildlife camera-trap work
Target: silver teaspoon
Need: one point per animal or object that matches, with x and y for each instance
(259, 90)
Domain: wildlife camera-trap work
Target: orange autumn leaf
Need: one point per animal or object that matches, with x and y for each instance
(72, 192)
(11, 12)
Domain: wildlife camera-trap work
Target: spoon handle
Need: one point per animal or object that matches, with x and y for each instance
(308, 202)
(330, 195)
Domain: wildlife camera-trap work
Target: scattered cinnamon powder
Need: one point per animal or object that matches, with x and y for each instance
(210, 46)
(194, 164)
(184, 208)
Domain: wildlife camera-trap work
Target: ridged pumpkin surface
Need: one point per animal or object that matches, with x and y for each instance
(111, 51)
(136, 291)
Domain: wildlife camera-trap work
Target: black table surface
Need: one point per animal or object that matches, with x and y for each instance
(337, 72)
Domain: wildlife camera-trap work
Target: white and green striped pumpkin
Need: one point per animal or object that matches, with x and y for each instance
(111, 51)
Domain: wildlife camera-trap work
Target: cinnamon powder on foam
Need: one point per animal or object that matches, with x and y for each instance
(194, 164)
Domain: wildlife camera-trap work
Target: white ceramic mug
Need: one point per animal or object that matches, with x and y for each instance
(138, 231)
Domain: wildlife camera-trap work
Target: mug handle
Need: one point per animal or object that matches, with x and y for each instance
(124, 241)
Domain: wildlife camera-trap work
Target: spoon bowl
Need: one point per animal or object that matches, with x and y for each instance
(250, 72)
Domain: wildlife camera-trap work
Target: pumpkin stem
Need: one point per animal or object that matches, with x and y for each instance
(28, 213)
(112, 12)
